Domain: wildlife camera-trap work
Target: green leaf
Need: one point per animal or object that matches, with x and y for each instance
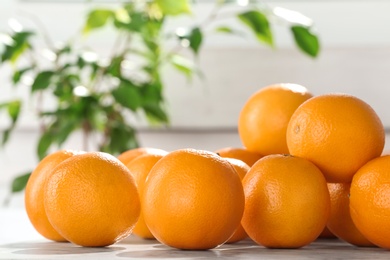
(44, 143)
(97, 118)
(155, 114)
(20, 182)
(183, 65)
(305, 40)
(97, 18)
(64, 130)
(17, 76)
(128, 95)
(14, 110)
(195, 39)
(19, 45)
(136, 22)
(174, 7)
(152, 93)
(115, 66)
(259, 24)
(122, 137)
(42, 80)
(224, 29)
(63, 88)
(228, 30)
(6, 134)
(18, 52)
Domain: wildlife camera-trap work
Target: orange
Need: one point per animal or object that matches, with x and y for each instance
(34, 193)
(140, 168)
(287, 202)
(131, 154)
(337, 132)
(192, 199)
(241, 168)
(92, 200)
(264, 117)
(242, 154)
(340, 222)
(370, 201)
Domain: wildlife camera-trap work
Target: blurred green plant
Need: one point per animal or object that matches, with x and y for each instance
(96, 94)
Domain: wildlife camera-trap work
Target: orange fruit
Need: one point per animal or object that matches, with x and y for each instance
(192, 199)
(287, 202)
(92, 200)
(34, 193)
(140, 168)
(264, 117)
(242, 154)
(340, 222)
(241, 168)
(370, 201)
(337, 132)
(129, 155)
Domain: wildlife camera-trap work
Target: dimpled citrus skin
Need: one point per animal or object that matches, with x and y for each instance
(340, 222)
(264, 117)
(370, 201)
(140, 168)
(287, 202)
(192, 199)
(34, 193)
(242, 154)
(92, 200)
(337, 132)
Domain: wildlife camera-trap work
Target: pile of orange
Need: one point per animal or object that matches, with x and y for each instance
(343, 138)
(308, 165)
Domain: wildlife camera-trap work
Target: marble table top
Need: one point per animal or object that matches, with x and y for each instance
(18, 240)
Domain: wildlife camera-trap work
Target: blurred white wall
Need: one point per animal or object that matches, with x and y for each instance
(355, 59)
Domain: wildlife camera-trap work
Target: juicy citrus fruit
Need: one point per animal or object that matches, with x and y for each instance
(242, 154)
(287, 202)
(34, 193)
(92, 200)
(140, 168)
(131, 154)
(264, 117)
(337, 132)
(241, 168)
(340, 222)
(192, 199)
(370, 201)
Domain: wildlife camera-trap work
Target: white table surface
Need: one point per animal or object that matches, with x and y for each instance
(19, 240)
